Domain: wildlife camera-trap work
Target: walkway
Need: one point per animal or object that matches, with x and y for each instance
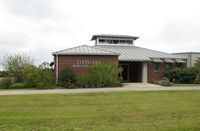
(68, 91)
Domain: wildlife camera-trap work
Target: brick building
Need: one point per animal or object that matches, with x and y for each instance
(139, 64)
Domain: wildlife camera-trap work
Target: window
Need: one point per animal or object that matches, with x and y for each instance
(167, 66)
(109, 41)
(115, 41)
(179, 65)
(123, 41)
(129, 41)
(156, 67)
(101, 40)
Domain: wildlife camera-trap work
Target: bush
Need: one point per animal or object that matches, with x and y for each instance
(39, 78)
(86, 81)
(3, 73)
(31, 76)
(66, 78)
(5, 82)
(187, 76)
(173, 74)
(106, 74)
(182, 76)
(18, 86)
(102, 75)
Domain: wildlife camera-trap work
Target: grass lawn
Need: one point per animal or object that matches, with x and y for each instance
(116, 111)
(186, 85)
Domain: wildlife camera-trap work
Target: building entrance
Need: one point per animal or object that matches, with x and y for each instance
(132, 71)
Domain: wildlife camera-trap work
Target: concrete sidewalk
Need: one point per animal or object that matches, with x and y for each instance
(115, 89)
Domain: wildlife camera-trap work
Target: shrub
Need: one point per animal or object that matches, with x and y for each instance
(183, 76)
(86, 81)
(66, 78)
(187, 76)
(45, 79)
(18, 86)
(106, 74)
(102, 75)
(3, 73)
(39, 78)
(31, 76)
(5, 83)
(173, 74)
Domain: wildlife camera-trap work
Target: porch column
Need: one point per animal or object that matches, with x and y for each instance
(144, 72)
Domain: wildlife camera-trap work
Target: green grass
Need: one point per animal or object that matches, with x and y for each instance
(186, 85)
(116, 111)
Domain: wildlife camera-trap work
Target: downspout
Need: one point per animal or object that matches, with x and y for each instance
(57, 69)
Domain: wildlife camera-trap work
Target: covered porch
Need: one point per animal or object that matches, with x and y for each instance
(133, 71)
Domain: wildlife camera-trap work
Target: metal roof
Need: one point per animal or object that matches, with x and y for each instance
(94, 37)
(84, 50)
(156, 60)
(168, 61)
(180, 61)
(187, 53)
(134, 53)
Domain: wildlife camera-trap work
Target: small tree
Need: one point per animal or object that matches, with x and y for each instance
(37, 77)
(15, 64)
(45, 65)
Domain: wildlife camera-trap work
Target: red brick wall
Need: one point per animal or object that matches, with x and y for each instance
(70, 60)
(153, 76)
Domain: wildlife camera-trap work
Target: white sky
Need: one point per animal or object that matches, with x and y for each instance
(40, 27)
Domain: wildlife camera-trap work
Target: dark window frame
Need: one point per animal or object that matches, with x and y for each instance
(108, 41)
(167, 68)
(129, 42)
(156, 67)
(102, 40)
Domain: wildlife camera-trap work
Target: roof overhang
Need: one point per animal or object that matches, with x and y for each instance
(168, 61)
(85, 54)
(94, 37)
(180, 61)
(157, 60)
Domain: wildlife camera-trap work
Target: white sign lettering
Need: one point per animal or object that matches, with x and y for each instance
(85, 63)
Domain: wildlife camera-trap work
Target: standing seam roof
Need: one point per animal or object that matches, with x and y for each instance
(84, 50)
(134, 53)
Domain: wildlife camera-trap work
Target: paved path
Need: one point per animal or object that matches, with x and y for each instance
(68, 91)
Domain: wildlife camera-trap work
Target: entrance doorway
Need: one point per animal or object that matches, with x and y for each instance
(125, 72)
(132, 71)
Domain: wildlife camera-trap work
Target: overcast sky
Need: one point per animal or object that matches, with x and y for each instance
(40, 27)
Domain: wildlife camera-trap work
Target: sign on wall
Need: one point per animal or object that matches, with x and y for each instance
(85, 63)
